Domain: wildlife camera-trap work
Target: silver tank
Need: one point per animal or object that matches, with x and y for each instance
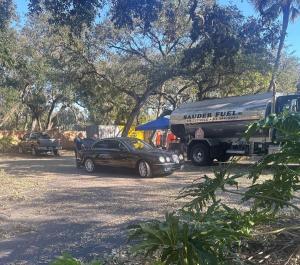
(220, 118)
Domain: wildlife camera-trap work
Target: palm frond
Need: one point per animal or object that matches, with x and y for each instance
(295, 12)
(262, 5)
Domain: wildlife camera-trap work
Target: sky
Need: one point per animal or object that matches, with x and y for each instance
(292, 39)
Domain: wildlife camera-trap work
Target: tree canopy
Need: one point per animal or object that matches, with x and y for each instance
(120, 62)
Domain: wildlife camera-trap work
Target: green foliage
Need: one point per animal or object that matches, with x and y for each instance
(8, 143)
(204, 192)
(277, 192)
(119, 66)
(226, 53)
(67, 259)
(203, 241)
(79, 14)
(272, 9)
(206, 230)
(7, 12)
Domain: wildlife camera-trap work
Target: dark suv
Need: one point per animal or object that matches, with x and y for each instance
(38, 142)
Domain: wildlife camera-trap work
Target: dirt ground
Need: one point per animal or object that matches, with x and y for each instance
(48, 206)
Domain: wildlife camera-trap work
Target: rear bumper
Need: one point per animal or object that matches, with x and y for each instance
(48, 148)
(166, 168)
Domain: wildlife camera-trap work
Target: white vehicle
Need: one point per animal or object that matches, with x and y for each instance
(214, 128)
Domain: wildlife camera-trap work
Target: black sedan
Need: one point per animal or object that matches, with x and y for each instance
(130, 153)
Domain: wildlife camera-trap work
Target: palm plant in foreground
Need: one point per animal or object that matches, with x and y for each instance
(207, 231)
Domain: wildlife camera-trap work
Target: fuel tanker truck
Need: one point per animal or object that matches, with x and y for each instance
(214, 128)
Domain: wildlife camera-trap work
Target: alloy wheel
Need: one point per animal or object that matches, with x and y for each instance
(89, 165)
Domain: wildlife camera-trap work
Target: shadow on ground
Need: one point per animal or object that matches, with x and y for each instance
(85, 214)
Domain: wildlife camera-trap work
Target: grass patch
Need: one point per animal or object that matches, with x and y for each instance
(12, 187)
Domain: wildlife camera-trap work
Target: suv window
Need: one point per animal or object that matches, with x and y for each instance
(44, 136)
(34, 136)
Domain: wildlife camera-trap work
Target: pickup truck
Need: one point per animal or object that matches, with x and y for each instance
(39, 142)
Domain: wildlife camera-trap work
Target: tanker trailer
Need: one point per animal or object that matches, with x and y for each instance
(214, 128)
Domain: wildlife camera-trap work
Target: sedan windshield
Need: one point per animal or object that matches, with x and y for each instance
(137, 144)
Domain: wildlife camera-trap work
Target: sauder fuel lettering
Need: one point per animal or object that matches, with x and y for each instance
(210, 115)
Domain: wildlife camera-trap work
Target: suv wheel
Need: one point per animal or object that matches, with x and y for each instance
(89, 165)
(200, 155)
(20, 149)
(144, 169)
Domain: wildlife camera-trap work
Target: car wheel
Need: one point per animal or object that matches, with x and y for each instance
(33, 151)
(89, 165)
(20, 150)
(144, 169)
(56, 153)
(200, 155)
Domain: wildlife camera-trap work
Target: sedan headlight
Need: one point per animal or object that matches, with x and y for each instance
(162, 159)
(168, 159)
(181, 157)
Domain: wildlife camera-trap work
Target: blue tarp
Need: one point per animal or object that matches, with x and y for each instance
(159, 124)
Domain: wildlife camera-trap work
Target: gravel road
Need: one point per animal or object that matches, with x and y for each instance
(57, 208)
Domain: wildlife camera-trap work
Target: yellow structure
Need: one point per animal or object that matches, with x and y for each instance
(134, 134)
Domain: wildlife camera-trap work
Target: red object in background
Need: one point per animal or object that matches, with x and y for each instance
(171, 138)
(158, 138)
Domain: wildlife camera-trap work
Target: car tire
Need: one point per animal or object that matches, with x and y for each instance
(89, 165)
(20, 150)
(34, 152)
(56, 153)
(200, 155)
(144, 169)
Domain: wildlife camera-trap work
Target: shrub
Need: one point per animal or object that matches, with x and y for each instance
(8, 143)
(208, 232)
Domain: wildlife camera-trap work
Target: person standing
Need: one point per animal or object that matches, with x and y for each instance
(95, 137)
(78, 141)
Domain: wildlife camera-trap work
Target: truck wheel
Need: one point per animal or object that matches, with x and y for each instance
(144, 169)
(200, 155)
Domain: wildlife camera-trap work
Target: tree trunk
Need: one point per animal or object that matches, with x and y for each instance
(132, 116)
(26, 122)
(140, 102)
(160, 102)
(136, 110)
(50, 116)
(36, 122)
(285, 23)
(17, 121)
